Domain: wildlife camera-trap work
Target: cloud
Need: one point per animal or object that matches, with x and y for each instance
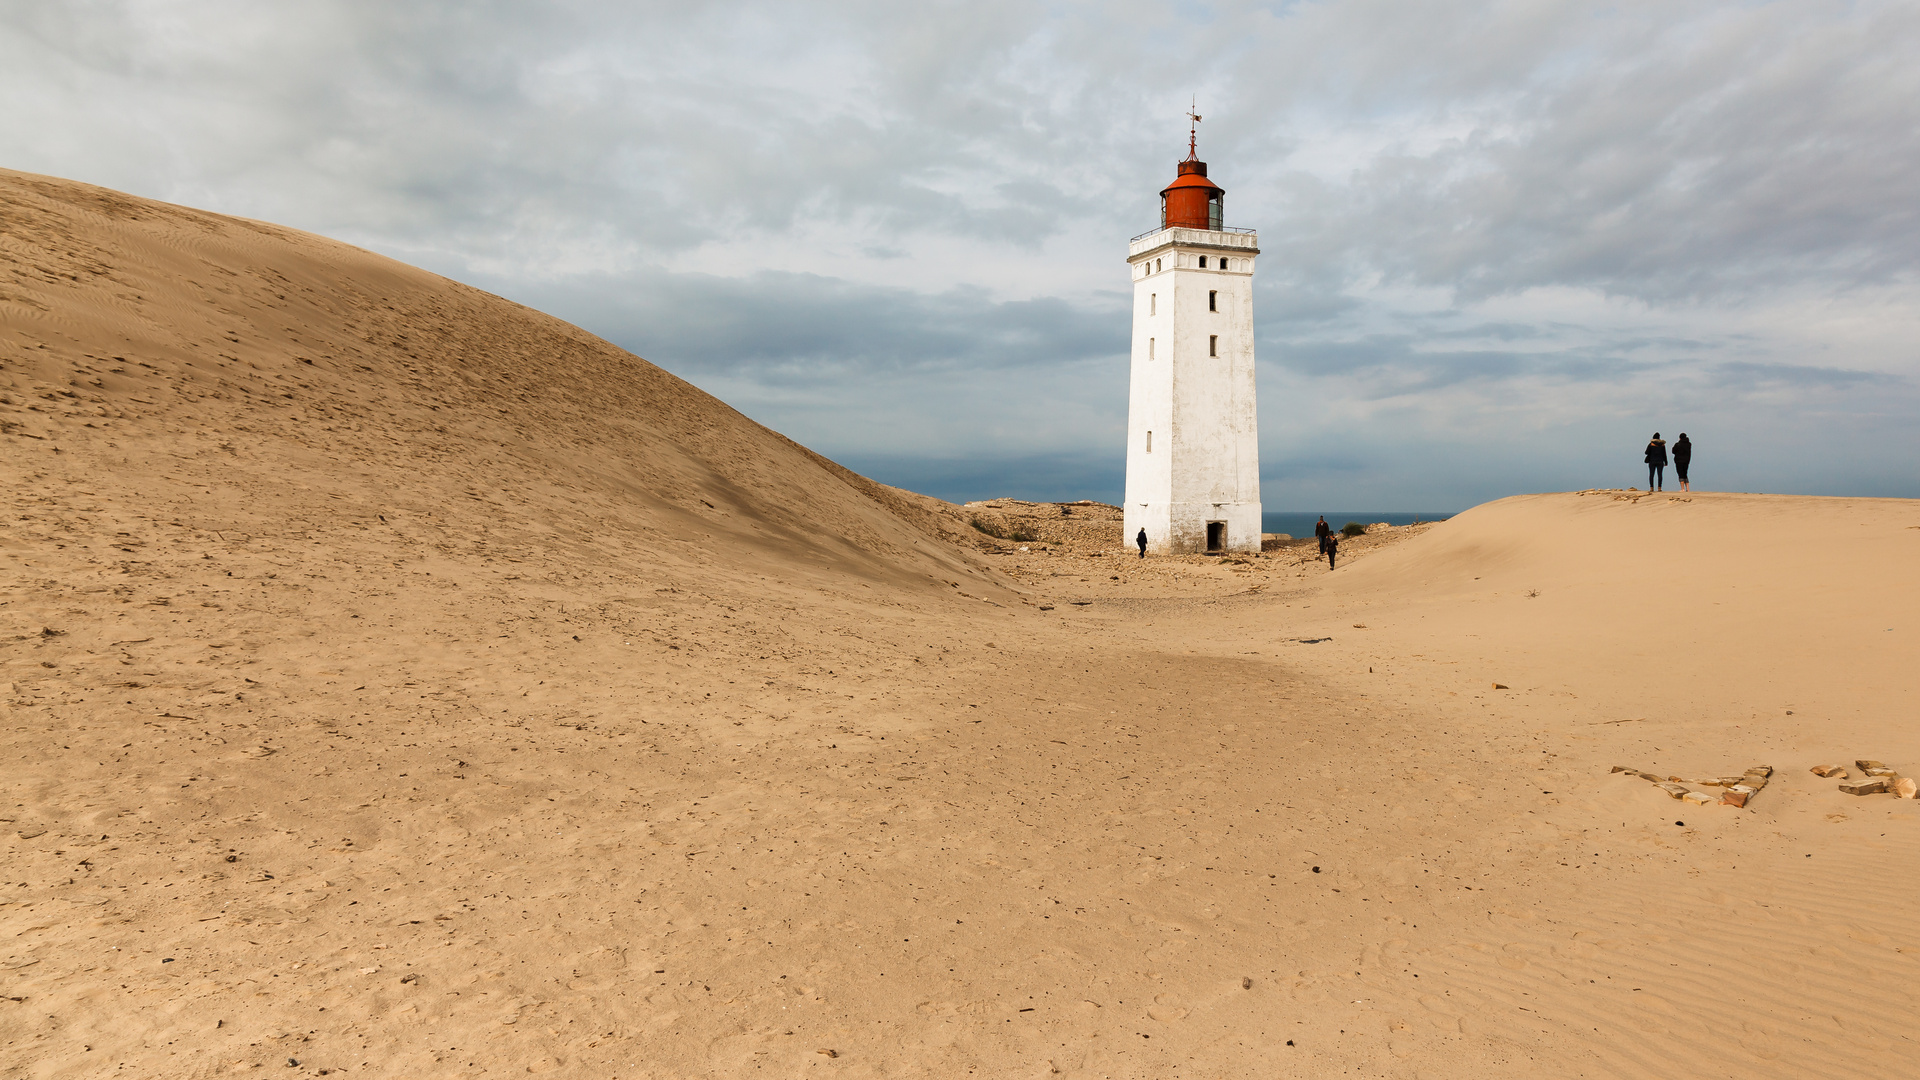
(788, 328)
(1663, 152)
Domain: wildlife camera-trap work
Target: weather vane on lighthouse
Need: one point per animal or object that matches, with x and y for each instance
(1193, 130)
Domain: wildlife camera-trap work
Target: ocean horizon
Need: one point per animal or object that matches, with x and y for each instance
(1301, 524)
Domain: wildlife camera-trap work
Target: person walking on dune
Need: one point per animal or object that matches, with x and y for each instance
(1682, 457)
(1656, 462)
(1331, 542)
(1322, 530)
(1142, 541)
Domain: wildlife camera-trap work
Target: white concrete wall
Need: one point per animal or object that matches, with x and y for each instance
(1204, 464)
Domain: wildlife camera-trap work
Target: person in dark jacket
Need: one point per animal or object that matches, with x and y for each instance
(1142, 541)
(1332, 542)
(1682, 457)
(1656, 462)
(1322, 530)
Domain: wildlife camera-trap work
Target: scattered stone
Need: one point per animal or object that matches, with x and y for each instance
(1906, 787)
(1829, 770)
(1246, 983)
(1740, 789)
(1874, 768)
(831, 1053)
(1499, 686)
(1872, 785)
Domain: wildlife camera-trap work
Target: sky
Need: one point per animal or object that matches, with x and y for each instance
(1503, 241)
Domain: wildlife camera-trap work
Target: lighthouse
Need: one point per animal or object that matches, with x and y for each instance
(1193, 455)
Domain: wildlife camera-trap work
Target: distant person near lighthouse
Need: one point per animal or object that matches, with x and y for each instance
(1322, 530)
(1142, 541)
(1682, 457)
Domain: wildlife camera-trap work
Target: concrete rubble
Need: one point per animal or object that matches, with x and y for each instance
(1871, 785)
(1879, 777)
(1738, 789)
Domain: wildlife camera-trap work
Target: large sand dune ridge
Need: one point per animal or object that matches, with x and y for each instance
(558, 719)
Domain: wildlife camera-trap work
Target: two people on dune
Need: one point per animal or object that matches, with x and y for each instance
(1657, 461)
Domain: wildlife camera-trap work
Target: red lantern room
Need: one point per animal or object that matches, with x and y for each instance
(1192, 201)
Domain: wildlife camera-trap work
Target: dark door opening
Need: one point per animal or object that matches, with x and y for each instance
(1216, 535)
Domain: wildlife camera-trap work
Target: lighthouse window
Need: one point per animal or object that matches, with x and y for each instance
(1213, 300)
(1156, 266)
(1223, 263)
(1213, 344)
(1149, 348)
(1153, 303)
(1149, 442)
(1203, 262)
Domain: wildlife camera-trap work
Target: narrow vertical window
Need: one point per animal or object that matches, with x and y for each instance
(1213, 344)
(1156, 266)
(1203, 262)
(1213, 300)
(1149, 348)
(1153, 303)
(1223, 263)
(1149, 442)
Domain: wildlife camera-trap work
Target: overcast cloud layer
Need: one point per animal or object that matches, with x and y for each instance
(1503, 242)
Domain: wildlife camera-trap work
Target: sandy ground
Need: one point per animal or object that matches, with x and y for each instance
(402, 683)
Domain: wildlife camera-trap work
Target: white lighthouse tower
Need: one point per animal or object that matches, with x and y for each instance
(1193, 455)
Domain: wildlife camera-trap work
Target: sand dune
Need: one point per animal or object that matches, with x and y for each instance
(557, 719)
(1722, 609)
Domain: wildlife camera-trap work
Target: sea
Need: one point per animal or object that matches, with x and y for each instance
(1298, 525)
